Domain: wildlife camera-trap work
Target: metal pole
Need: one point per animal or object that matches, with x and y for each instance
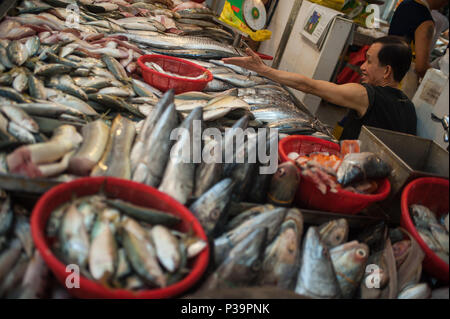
(287, 33)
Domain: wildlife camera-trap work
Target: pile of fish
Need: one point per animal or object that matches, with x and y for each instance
(434, 232)
(23, 272)
(263, 246)
(122, 245)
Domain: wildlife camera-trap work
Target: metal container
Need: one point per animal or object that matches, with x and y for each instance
(409, 156)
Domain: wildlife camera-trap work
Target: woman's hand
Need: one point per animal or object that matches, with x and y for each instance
(252, 62)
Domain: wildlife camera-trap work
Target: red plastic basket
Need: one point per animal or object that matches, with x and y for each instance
(170, 64)
(130, 191)
(433, 193)
(309, 196)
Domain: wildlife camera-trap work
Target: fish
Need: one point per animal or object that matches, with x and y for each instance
(151, 168)
(17, 52)
(147, 128)
(429, 239)
(271, 220)
(20, 117)
(317, 277)
(178, 179)
(21, 133)
(20, 82)
(361, 166)
(9, 256)
(22, 230)
(284, 185)
(248, 214)
(235, 68)
(36, 88)
(102, 251)
(349, 262)
(116, 158)
(148, 215)
(116, 68)
(166, 246)
(15, 276)
(6, 215)
(243, 264)
(418, 291)
(74, 238)
(334, 233)
(238, 80)
(74, 102)
(282, 258)
(35, 280)
(217, 86)
(145, 90)
(441, 236)
(66, 84)
(51, 69)
(12, 94)
(32, 45)
(210, 208)
(141, 254)
(95, 139)
(422, 216)
(115, 103)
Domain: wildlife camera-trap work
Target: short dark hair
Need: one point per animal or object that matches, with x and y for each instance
(395, 52)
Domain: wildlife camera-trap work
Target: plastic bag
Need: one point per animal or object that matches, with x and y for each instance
(361, 166)
(230, 18)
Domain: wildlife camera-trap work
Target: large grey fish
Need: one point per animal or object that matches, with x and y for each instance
(235, 68)
(317, 277)
(334, 233)
(210, 208)
(349, 262)
(282, 258)
(178, 179)
(116, 158)
(115, 68)
(209, 173)
(147, 128)
(158, 40)
(243, 264)
(241, 80)
(150, 169)
(271, 220)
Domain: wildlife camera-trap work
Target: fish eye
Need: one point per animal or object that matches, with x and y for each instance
(256, 266)
(361, 253)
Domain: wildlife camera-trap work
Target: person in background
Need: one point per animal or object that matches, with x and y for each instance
(413, 20)
(377, 102)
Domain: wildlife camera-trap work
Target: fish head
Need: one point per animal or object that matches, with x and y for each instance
(335, 232)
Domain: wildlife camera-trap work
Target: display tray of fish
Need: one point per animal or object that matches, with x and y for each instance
(121, 245)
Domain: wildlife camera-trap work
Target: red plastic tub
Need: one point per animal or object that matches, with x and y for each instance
(170, 64)
(308, 195)
(130, 191)
(433, 193)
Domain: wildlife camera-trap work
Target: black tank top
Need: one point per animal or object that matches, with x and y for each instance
(389, 109)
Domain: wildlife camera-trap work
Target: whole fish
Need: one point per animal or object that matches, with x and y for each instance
(15, 276)
(35, 280)
(317, 277)
(116, 158)
(74, 238)
(284, 185)
(20, 82)
(243, 264)
(248, 214)
(422, 216)
(151, 168)
(36, 88)
(166, 247)
(103, 251)
(95, 139)
(115, 68)
(282, 258)
(20, 117)
(210, 208)
(147, 128)
(51, 69)
(9, 257)
(271, 220)
(360, 166)
(241, 80)
(74, 102)
(217, 86)
(21, 133)
(334, 233)
(234, 68)
(22, 231)
(141, 254)
(349, 262)
(32, 45)
(178, 179)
